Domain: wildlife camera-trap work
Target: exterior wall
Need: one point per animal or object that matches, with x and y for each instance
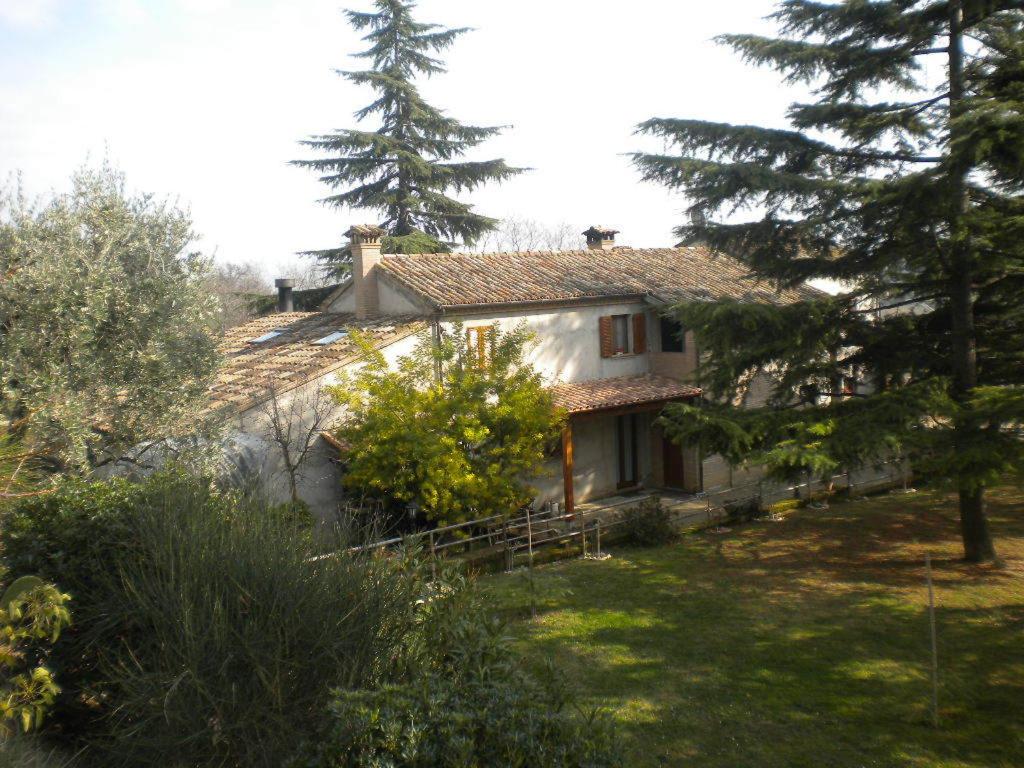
(596, 460)
(678, 365)
(568, 341)
(391, 301)
(319, 482)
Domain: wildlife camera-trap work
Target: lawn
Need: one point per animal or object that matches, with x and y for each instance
(796, 643)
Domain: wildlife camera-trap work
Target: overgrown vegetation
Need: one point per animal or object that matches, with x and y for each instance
(459, 446)
(211, 629)
(468, 700)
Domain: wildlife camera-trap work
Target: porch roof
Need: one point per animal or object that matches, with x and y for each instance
(604, 394)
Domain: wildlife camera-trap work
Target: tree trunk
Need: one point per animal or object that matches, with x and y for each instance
(977, 538)
(978, 546)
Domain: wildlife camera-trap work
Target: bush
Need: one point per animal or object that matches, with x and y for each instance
(239, 631)
(32, 616)
(210, 631)
(468, 701)
(70, 537)
(649, 524)
(205, 626)
(742, 510)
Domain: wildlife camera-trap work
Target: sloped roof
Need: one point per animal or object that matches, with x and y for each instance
(602, 394)
(291, 358)
(451, 280)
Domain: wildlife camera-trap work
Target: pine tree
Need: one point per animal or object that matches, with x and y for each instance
(405, 168)
(903, 179)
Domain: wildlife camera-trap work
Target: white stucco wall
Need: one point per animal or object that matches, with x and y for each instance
(392, 301)
(596, 461)
(319, 483)
(568, 344)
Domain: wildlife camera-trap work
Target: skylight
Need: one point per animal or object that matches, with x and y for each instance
(267, 336)
(331, 338)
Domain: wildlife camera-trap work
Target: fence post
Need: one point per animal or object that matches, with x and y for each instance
(599, 538)
(529, 549)
(935, 646)
(433, 558)
(583, 535)
(508, 550)
(529, 536)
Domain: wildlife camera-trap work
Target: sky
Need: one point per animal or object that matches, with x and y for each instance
(204, 102)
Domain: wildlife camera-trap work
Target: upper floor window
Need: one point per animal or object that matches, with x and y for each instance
(620, 334)
(673, 335)
(623, 334)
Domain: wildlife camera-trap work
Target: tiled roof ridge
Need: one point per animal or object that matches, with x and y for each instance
(541, 252)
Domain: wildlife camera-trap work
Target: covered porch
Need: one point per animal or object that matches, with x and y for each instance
(611, 445)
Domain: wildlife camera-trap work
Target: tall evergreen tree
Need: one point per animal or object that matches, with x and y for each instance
(406, 167)
(903, 180)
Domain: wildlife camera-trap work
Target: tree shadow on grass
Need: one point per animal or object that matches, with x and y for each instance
(796, 644)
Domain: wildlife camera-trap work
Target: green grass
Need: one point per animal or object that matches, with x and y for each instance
(797, 643)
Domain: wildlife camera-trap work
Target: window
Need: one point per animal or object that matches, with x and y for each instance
(478, 339)
(620, 334)
(331, 338)
(623, 334)
(673, 336)
(267, 336)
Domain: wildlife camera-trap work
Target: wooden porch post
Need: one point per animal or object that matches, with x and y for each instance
(570, 502)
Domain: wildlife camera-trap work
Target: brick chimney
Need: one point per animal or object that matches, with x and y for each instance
(600, 238)
(365, 244)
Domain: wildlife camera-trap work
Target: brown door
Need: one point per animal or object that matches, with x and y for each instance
(673, 462)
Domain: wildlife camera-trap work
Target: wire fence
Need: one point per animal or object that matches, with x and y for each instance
(586, 529)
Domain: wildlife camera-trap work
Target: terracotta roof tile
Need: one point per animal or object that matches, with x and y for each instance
(600, 394)
(292, 358)
(668, 274)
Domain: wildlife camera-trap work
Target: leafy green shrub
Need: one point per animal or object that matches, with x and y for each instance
(32, 616)
(466, 701)
(205, 625)
(72, 538)
(649, 524)
(742, 510)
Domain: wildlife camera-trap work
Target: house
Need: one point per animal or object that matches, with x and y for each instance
(613, 360)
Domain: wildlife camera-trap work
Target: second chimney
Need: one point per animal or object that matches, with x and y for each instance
(284, 294)
(365, 244)
(600, 238)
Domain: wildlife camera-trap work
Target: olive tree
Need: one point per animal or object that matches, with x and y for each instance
(104, 322)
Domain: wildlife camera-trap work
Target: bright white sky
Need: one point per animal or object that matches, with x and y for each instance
(204, 101)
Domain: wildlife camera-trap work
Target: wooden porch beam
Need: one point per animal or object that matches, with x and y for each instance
(570, 501)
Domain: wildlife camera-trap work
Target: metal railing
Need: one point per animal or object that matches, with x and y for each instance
(510, 537)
